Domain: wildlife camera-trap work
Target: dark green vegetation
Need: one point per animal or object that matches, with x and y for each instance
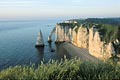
(66, 69)
(109, 32)
(109, 28)
(112, 21)
(72, 25)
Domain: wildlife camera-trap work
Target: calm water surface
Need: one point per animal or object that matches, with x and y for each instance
(17, 41)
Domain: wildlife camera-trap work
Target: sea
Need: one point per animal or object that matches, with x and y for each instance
(18, 39)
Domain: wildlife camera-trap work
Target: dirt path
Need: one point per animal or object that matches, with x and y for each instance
(82, 53)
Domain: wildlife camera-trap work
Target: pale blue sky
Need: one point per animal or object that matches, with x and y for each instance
(35, 9)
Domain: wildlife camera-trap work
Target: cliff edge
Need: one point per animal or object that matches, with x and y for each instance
(87, 36)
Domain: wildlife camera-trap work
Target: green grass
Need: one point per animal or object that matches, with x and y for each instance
(109, 32)
(72, 69)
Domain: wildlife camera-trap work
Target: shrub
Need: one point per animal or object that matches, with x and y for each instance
(72, 69)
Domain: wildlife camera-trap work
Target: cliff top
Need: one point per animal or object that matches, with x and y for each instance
(109, 28)
(67, 24)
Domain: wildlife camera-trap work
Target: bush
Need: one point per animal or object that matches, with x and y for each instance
(72, 69)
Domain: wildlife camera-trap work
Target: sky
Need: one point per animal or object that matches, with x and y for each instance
(39, 9)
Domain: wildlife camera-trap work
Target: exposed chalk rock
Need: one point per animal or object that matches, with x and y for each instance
(63, 32)
(49, 37)
(40, 41)
(74, 36)
(91, 41)
(110, 49)
(95, 44)
(85, 38)
(82, 37)
(60, 37)
(97, 47)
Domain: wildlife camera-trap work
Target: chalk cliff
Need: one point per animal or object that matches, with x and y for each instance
(60, 34)
(74, 36)
(84, 37)
(63, 32)
(97, 47)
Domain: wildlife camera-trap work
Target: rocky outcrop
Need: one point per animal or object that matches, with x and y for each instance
(95, 43)
(74, 36)
(60, 34)
(49, 37)
(110, 49)
(97, 47)
(84, 37)
(63, 32)
(40, 41)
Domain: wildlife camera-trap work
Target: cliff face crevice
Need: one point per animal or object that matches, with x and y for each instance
(84, 37)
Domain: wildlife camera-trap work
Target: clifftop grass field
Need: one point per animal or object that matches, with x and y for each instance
(72, 69)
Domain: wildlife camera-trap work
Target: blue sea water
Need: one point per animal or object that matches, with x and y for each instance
(17, 43)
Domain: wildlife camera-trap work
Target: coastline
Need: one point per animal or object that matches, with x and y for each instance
(81, 53)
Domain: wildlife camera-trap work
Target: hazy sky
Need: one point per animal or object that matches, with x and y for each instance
(35, 9)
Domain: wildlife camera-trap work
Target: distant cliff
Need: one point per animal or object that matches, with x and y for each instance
(88, 36)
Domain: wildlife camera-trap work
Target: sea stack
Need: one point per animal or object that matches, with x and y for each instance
(49, 39)
(40, 41)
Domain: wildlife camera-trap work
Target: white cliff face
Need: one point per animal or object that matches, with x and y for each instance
(82, 37)
(60, 37)
(91, 35)
(74, 36)
(63, 33)
(98, 44)
(95, 44)
(85, 38)
(49, 37)
(66, 33)
(97, 47)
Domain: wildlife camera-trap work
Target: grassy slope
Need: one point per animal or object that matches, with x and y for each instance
(72, 69)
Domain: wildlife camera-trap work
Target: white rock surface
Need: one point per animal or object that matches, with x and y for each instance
(82, 37)
(40, 40)
(60, 35)
(85, 38)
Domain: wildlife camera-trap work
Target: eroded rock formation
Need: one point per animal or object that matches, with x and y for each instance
(63, 32)
(60, 34)
(74, 36)
(97, 47)
(84, 37)
(49, 37)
